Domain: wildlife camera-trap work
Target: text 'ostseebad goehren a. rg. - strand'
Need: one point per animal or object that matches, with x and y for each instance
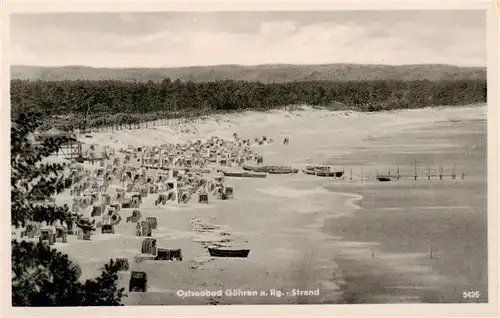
(247, 293)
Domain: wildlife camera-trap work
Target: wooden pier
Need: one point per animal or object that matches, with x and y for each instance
(429, 173)
(439, 172)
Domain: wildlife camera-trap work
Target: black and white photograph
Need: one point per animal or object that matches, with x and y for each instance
(185, 158)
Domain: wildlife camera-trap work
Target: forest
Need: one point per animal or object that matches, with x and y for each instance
(114, 102)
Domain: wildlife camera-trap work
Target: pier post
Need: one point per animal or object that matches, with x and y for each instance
(453, 173)
(463, 175)
(430, 251)
(351, 174)
(398, 176)
(441, 173)
(428, 172)
(373, 254)
(415, 176)
(343, 173)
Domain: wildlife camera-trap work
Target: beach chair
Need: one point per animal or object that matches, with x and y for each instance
(84, 235)
(106, 198)
(229, 192)
(116, 207)
(32, 230)
(138, 282)
(203, 198)
(153, 222)
(167, 254)
(75, 208)
(61, 234)
(46, 235)
(184, 197)
(116, 219)
(135, 217)
(108, 229)
(76, 268)
(220, 194)
(71, 223)
(122, 264)
(129, 187)
(96, 211)
(148, 246)
(143, 229)
(126, 204)
(136, 200)
(171, 196)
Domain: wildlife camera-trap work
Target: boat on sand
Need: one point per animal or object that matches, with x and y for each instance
(282, 170)
(271, 169)
(244, 174)
(256, 169)
(227, 252)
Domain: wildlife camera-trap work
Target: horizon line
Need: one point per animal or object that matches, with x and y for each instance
(243, 65)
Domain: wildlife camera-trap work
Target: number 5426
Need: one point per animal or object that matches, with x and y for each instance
(470, 294)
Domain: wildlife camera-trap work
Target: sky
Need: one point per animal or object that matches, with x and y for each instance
(174, 39)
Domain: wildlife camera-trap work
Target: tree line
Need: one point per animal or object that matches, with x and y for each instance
(129, 102)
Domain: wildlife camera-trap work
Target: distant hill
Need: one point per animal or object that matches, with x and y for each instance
(278, 73)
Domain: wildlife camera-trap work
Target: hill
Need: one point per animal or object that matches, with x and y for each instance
(279, 73)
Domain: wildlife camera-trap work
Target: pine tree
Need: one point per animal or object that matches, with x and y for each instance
(42, 276)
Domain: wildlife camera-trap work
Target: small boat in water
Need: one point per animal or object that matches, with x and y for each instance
(256, 169)
(226, 252)
(324, 173)
(383, 178)
(244, 174)
(335, 174)
(282, 170)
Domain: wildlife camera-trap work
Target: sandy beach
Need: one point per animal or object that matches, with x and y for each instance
(352, 241)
